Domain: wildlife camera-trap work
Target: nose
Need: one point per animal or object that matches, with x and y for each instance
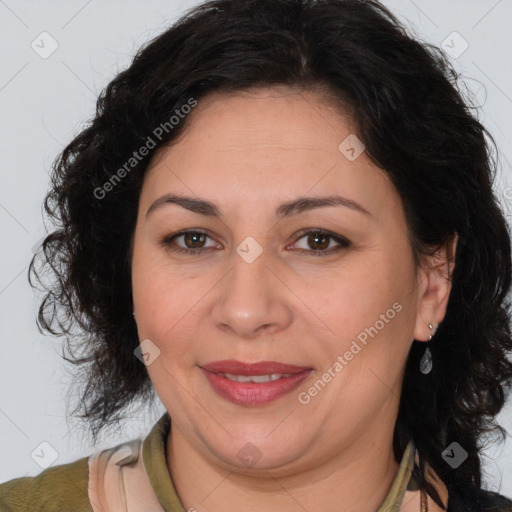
(252, 299)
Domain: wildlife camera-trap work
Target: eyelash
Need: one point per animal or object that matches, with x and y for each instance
(344, 243)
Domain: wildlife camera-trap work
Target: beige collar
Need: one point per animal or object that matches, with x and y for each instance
(133, 477)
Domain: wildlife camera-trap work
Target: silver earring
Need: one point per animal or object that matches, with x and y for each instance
(134, 314)
(426, 360)
(430, 326)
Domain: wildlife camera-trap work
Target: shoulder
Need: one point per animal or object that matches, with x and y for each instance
(106, 474)
(472, 499)
(55, 489)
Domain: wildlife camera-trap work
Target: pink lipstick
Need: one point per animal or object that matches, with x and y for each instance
(254, 384)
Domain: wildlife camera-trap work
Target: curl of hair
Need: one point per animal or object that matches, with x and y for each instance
(404, 98)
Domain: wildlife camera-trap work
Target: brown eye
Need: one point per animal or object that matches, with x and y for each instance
(318, 242)
(193, 240)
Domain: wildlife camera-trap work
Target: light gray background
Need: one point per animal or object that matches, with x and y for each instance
(44, 103)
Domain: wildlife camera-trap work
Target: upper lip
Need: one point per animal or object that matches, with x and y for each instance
(260, 368)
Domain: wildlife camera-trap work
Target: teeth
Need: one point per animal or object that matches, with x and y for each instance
(255, 378)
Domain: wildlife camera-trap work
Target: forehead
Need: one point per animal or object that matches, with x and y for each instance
(298, 119)
(261, 144)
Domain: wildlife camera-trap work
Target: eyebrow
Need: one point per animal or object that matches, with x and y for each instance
(293, 207)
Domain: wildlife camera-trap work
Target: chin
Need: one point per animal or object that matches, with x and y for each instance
(257, 451)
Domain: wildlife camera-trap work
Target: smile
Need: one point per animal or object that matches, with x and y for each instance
(254, 384)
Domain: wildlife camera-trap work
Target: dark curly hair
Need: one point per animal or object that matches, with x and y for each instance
(411, 114)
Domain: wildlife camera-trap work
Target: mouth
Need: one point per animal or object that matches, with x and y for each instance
(254, 384)
(255, 378)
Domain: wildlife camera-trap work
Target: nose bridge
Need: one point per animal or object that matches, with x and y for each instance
(252, 295)
(248, 284)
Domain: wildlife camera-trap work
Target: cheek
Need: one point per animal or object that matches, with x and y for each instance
(357, 300)
(166, 315)
(370, 311)
(355, 297)
(162, 295)
(159, 302)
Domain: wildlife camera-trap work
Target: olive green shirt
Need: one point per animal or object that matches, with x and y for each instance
(64, 488)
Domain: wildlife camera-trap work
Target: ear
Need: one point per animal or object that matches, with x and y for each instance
(434, 286)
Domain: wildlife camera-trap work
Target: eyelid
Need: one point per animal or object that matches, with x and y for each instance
(167, 240)
(342, 241)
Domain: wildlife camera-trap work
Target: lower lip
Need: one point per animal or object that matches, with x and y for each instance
(254, 393)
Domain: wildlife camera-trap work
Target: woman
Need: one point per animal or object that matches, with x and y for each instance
(281, 220)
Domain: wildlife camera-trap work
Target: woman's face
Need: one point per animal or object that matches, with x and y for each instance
(262, 291)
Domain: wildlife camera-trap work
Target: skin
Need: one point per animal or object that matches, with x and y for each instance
(248, 153)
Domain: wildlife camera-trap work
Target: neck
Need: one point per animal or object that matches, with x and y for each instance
(359, 478)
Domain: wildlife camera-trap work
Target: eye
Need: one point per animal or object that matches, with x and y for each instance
(316, 238)
(190, 238)
(320, 240)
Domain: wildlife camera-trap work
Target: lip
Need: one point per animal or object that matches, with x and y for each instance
(253, 393)
(260, 368)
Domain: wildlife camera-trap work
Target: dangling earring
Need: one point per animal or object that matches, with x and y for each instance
(426, 360)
